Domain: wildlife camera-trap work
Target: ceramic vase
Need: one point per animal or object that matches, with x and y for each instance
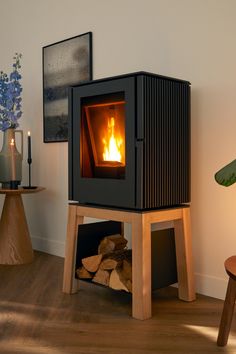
(11, 159)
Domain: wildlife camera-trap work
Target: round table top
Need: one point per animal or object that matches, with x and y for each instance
(21, 190)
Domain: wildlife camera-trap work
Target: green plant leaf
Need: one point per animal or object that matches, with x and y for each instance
(227, 175)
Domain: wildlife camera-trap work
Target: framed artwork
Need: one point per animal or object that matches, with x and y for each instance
(65, 63)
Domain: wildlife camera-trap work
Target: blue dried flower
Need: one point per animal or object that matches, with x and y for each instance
(10, 100)
(15, 75)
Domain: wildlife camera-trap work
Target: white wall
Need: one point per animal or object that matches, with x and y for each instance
(189, 39)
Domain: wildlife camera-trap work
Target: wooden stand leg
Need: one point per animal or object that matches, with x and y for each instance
(183, 246)
(141, 268)
(141, 251)
(227, 314)
(70, 283)
(15, 242)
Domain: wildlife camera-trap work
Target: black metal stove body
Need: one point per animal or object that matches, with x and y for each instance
(147, 118)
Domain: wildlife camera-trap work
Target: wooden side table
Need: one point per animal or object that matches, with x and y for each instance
(141, 250)
(15, 242)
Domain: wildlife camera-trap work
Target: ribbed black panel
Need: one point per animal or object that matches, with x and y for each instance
(166, 155)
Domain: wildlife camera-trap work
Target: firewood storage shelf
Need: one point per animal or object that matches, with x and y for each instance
(141, 250)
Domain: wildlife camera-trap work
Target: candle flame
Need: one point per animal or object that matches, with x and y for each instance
(28, 133)
(12, 143)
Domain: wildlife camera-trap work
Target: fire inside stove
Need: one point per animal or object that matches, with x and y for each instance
(112, 143)
(103, 137)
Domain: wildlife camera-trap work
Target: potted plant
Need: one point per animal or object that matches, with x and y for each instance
(226, 176)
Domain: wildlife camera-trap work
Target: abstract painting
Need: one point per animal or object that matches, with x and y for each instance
(65, 63)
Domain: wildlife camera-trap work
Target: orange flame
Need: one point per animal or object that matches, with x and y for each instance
(112, 145)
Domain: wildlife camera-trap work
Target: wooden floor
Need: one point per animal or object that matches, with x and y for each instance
(35, 317)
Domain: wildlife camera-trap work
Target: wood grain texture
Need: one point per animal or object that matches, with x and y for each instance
(15, 242)
(230, 267)
(92, 263)
(70, 283)
(106, 214)
(21, 191)
(164, 215)
(141, 267)
(141, 248)
(183, 244)
(227, 314)
(37, 318)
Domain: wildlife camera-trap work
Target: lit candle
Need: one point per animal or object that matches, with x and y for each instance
(13, 161)
(29, 146)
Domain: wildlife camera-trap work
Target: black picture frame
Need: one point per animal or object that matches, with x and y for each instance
(65, 63)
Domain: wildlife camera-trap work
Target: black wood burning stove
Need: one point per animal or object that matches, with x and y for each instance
(129, 142)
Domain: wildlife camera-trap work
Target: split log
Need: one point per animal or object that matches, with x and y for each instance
(121, 276)
(108, 264)
(113, 269)
(127, 269)
(112, 243)
(126, 273)
(115, 281)
(119, 280)
(114, 259)
(128, 284)
(92, 263)
(82, 273)
(102, 277)
(119, 241)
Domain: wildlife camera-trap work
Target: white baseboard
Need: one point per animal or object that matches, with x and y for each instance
(211, 286)
(54, 247)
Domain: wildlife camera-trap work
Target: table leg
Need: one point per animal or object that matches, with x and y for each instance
(15, 242)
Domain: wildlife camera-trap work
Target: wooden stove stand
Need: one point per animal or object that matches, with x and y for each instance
(141, 250)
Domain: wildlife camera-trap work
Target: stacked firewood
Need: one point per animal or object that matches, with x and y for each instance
(111, 266)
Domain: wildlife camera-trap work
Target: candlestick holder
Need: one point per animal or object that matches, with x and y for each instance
(29, 161)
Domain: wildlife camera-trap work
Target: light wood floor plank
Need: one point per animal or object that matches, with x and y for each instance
(36, 317)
